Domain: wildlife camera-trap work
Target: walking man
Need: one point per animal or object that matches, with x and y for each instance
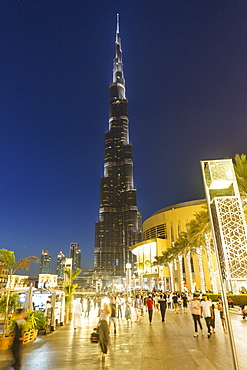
(206, 312)
(195, 307)
(150, 306)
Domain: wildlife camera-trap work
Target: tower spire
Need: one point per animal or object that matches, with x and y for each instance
(117, 24)
(118, 76)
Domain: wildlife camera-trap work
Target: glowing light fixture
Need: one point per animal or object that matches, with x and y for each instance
(228, 228)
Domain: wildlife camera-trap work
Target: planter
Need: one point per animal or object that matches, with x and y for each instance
(6, 342)
(29, 336)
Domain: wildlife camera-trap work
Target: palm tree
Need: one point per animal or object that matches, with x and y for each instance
(140, 265)
(148, 264)
(198, 233)
(70, 288)
(240, 167)
(9, 262)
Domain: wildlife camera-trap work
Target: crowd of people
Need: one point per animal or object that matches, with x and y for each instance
(111, 308)
(132, 307)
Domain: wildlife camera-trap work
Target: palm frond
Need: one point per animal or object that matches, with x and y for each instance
(25, 263)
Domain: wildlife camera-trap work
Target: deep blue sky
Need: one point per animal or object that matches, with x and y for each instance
(185, 65)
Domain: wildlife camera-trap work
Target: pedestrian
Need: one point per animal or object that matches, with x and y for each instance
(119, 306)
(150, 307)
(175, 302)
(206, 312)
(222, 314)
(88, 307)
(179, 302)
(16, 346)
(112, 318)
(230, 302)
(103, 329)
(94, 302)
(77, 313)
(163, 305)
(185, 303)
(195, 308)
(141, 305)
(47, 307)
(213, 318)
(128, 312)
(169, 301)
(137, 306)
(156, 302)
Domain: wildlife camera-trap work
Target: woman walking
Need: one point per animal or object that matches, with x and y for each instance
(103, 329)
(195, 307)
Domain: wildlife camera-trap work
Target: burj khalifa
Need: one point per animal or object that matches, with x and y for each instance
(119, 225)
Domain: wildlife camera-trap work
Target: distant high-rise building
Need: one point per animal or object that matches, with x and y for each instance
(75, 254)
(45, 262)
(119, 225)
(60, 264)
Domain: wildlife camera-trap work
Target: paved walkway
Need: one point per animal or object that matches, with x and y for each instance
(161, 346)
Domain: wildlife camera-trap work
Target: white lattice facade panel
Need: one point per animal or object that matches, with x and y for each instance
(232, 233)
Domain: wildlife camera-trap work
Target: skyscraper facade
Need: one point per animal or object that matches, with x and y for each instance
(119, 224)
(75, 254)
(60, 264)
(45, 262)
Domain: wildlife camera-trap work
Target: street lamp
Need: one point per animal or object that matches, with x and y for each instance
(228, 228)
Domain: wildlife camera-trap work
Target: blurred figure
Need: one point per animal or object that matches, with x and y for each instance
(162, 303)
(88, 306)
(230, 302)
(156, 302)
(103, 329)
(175, 302)
(213, 317)
(128, 312)
(47, 305)
(16, 347)
(77, 313)
(222, 314)
(137, 306)
(112, 318)
(119, 306)
(185, 302)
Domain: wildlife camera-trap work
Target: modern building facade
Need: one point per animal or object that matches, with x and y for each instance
(60, 264)
(119, 224)
(193, 271)
(45, 262)
(75, 254)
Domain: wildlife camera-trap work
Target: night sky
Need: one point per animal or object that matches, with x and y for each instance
(185, 66)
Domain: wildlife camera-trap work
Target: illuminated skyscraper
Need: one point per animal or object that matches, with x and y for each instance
(75, 254)
(60, 264)
(45, 262)
(119, 224)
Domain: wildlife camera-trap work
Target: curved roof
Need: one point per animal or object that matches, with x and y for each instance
(181, 205)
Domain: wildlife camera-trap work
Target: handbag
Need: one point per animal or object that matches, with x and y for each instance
(95, 336)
